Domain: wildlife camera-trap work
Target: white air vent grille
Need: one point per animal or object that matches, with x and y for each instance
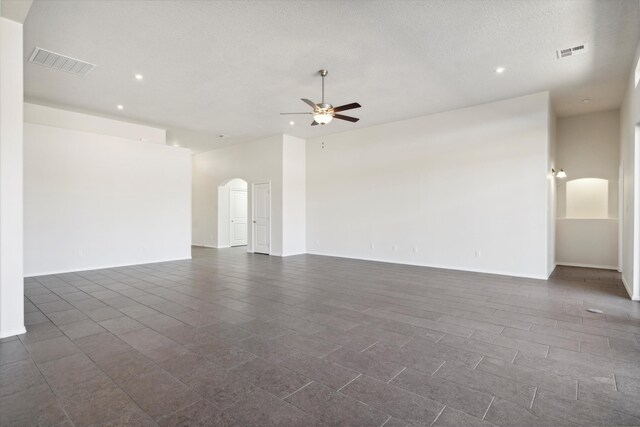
(571, 51)
(60, 62)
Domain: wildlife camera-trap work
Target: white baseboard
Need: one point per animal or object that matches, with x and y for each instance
(13, 332)
(549, 273)
(577, 264)
(292, 254)
(629, 289)
(444, 267)
(102, 267)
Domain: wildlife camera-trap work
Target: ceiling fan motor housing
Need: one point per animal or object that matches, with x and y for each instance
(324, 107)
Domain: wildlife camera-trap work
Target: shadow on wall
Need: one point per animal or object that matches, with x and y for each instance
(233, 213)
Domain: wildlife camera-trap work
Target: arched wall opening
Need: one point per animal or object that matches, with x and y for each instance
(233, 213)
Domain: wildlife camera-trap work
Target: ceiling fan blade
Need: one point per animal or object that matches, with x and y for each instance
(347, 118)
(309, 102)
(286, 114)
(314, 123)
(347, 107)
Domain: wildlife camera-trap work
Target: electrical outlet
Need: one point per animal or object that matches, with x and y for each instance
(415, 249)
(395, 248)
(373, 246)
(478, 254)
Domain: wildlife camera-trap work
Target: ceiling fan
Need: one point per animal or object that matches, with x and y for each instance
(323, 113)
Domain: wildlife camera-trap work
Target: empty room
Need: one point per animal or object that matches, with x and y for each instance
(319, 213)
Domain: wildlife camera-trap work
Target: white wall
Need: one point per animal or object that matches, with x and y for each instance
(224, 210)
(588, 242)
(255, 162)
(629, 119)
(466, 189)
(588, 147)
(552, 190)
(94, 200)
(94, 124)
(294, 195)
(11, 182)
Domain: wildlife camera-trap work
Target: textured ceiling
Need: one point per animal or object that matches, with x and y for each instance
(229, 67)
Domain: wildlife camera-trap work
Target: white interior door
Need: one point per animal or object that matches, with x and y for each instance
(238, 227)
(261, 218)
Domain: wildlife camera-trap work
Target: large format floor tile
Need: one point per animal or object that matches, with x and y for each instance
(235, 339)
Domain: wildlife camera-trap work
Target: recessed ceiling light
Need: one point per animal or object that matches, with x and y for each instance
(586, 100)
(139, 76)
(120, 107)
(292, 123)
(500, 70)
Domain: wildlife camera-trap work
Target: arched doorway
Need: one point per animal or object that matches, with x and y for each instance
(233, 213)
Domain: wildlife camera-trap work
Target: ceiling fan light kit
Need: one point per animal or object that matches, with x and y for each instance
(322, 117)
(323, 113)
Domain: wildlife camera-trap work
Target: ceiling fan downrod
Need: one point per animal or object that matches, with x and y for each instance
(323, 73)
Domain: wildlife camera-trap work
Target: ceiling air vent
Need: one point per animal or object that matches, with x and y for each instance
(60, 62)
(571, 51)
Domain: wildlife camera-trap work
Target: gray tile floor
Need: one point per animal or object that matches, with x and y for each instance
(230, 338)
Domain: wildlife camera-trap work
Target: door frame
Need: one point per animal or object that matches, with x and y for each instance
(253, 215)
(231, 190)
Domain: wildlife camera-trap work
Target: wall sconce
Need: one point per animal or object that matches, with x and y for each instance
(560, 174)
